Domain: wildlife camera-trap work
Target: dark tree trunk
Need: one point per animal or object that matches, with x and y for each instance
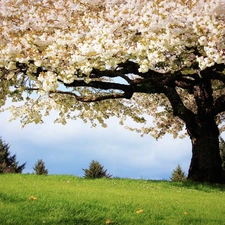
(206, 163)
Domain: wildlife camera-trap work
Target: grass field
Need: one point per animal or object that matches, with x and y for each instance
(62, 199)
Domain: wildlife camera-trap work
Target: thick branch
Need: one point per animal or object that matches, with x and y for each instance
(178, 107)
(109, 73)
(103, 85)
(92, 98)
(214, 72)
(219, 105)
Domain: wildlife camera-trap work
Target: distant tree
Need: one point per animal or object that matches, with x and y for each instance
(222, 151)
(178, 174)
(96, 170)
(8, 163)
(39, 168)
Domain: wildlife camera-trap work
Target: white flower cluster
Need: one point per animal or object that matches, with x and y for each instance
(72, 36)
(49, 81)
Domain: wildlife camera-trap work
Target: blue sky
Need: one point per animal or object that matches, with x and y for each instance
(66, 149)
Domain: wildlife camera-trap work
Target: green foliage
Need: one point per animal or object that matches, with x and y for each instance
(69, 200)
(8, 163)
(39, 168)
(222, 151)
(96, 170)
(178, 174)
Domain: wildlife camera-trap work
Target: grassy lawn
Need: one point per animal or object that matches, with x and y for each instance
(62, 199)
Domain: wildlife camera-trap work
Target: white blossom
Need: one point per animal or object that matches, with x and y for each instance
(70, 38)
(49, 80)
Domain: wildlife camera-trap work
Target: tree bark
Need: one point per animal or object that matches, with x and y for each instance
(206, 163)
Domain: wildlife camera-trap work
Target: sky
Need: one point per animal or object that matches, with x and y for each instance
(66, 149)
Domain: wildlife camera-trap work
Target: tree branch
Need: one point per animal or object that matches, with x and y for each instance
(110, 73)
(178, 107)
(101, 85)
(219, 104)
(93, 98)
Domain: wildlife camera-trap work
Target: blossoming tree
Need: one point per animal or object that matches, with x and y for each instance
(92, 59)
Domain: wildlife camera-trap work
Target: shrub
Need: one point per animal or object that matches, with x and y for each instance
(178, 174)
(96, 170)
(39, 168)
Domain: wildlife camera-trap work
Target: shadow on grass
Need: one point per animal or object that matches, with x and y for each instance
(206, 187)
(10, 198)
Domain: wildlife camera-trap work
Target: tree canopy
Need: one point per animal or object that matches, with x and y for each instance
(92, 59)
(71, 51)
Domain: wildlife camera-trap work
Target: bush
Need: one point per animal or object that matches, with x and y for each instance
(8, 163)
(39, 168)
(178, 174)
(96, 170)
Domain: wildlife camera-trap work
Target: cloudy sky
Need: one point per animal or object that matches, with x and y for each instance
(66, 149)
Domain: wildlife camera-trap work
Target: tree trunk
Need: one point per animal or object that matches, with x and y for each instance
(206, 163)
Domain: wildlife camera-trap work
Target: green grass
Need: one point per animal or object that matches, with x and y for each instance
(73, 200)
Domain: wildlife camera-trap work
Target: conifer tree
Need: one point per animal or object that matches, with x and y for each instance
(178, 174)
(39, 168)
(96, 170)
(8, 163)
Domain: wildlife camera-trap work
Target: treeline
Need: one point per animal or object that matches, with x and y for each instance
(9, 164)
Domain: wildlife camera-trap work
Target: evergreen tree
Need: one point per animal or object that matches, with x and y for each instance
(39, 168)
(96, 170)
(178, 174)
(8, 163)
